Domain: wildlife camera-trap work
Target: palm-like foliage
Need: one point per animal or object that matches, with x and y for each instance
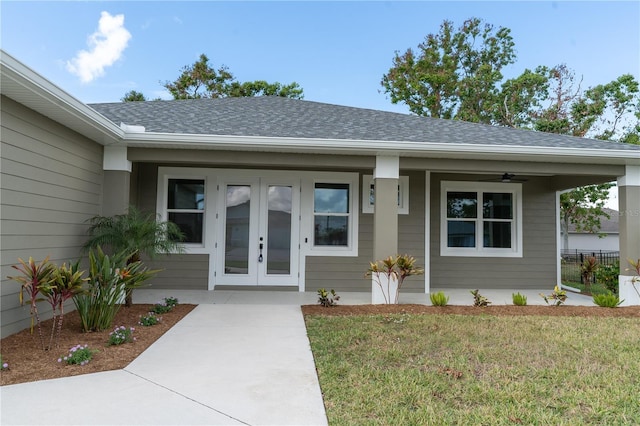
(134, 232)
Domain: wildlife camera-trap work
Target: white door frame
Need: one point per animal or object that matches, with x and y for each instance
(257, 242)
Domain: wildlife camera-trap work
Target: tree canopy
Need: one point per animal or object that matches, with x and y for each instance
(201, 80)
(457, 74)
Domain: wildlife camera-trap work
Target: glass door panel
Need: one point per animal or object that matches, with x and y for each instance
(279, 200)
(237, 229)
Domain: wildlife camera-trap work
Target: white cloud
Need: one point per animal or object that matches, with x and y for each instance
(105, 47)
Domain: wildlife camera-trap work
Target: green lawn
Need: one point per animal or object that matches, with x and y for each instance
(452, 369)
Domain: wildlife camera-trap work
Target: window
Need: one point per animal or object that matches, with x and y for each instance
(368, 196)
(185, 207)
(481, 219)
(331, 211)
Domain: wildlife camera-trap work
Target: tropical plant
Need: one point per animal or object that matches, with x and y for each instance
(558, 296)
(66, 282)
(393, 268)
(439, 299)
(478, 299)
(33, 277)
(109, 279)
(519, 299)
(635, 267)
(135, 233)
(327, 298)
(609, 300)
(588, 268)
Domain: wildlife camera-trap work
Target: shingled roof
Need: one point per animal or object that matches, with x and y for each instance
(278, 117)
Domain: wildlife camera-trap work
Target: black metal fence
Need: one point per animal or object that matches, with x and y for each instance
(572, 259)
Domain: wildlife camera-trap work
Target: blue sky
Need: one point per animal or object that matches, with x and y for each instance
(337, 51)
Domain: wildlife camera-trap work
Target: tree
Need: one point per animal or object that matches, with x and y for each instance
(457, 75)
(134, 233)
(200, 80)
(133, 96)
(584, 208)
(454, 75)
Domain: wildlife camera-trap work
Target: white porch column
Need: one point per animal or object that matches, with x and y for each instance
(116, 179)
(629, 206)
(385, 223)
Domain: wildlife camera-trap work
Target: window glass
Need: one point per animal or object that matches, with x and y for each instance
(331, 230)
(185, 207)
(497, 234)
(186, 194)
(331, 214)
(331, 198)
(497, 205)
(462, 205)
(190, 224)
(461, 233)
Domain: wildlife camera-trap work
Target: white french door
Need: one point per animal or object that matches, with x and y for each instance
(259, 230)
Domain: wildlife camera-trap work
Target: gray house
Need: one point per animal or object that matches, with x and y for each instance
(294, 195)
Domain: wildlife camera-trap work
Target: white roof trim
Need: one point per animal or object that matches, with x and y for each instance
(372, 147)
(24, 85)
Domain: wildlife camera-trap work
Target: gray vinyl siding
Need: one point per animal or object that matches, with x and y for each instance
(535, 270)
(180, 271)
(51, 183)
(347, 273)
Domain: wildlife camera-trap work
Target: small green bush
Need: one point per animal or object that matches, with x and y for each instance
(149, 320)
(439, 299)
(171, 301)
(79, 354)
(121, 335)
(327, 298)
(478, 299)
(161, 308)
(519, 299)
(608, 300)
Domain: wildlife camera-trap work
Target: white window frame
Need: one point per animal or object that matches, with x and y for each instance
(479, 251)
(308, 214)
(202, 211)
(166, 173)
(403, 194)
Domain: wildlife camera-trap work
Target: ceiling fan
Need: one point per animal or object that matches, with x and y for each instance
(505, 178)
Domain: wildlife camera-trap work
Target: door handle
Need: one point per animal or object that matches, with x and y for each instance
(260, 246)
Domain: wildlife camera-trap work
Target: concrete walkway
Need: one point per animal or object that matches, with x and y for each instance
(240, 357)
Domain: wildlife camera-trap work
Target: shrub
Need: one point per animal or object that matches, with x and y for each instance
(79, 354)
(121, 335)
(478, 299)
(608, 300)
(327, 298)
(607, 275)
(161, 308)
(439, 299)
(149, 320)
(519, 299)
(171, 301)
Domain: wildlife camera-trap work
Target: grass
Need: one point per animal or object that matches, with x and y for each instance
(454, 369)
(595, 288)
